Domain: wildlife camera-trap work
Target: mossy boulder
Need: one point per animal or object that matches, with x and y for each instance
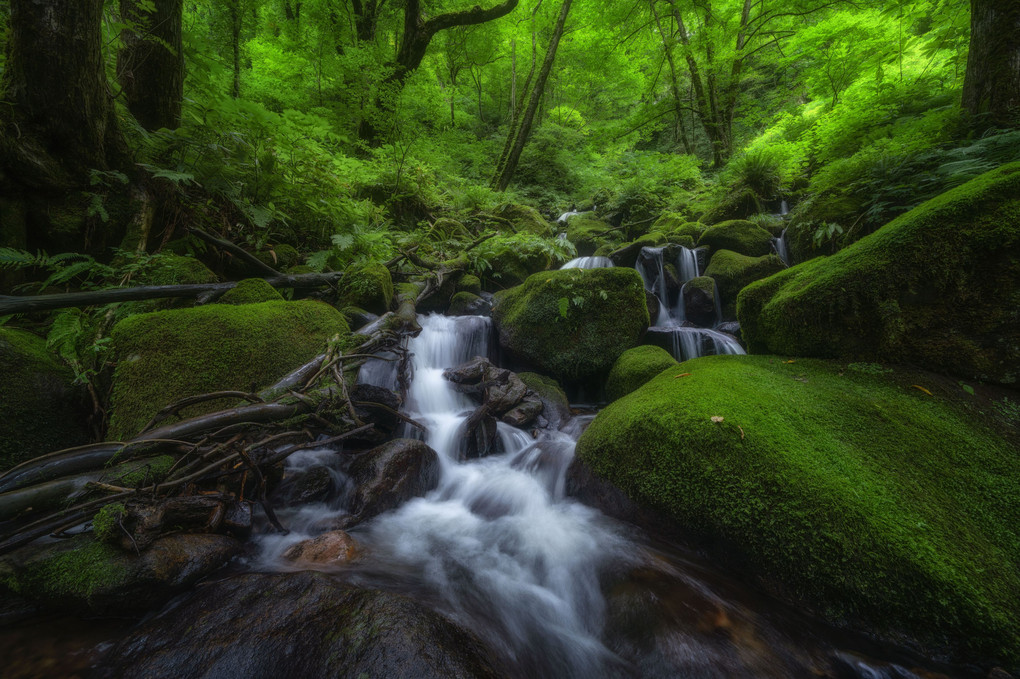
(555, 404)
(165, 356)
(937, 287)
(369, 287)
(588, 234)
(525, 219)
(738, 204)
(849, 492)
(178, 270)
(470, 283)
(446, 229)
(251, 291)
(669, 221)
(41, 410)
(746, 238)
(733, 271)
(280, 257)
(635, 367)
(572, 324)
(510, 266)
(468, 304)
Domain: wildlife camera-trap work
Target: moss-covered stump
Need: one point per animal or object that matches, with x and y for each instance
(40, 409)
(369, 287)
(525, 219)
(82, 574)
(166, 356)
(572, 324)
(251, 291)
(635, 367)
(588, 234)
(937, 287)
(733, 271)
(849, 491)
(745, 238)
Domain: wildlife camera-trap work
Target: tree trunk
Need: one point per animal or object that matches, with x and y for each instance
(150, 65)
(366, 18)
(502, 179)
(674, 84)
(236, 18)
(991, 87)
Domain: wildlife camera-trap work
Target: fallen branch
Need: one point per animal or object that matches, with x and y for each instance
(237, 251)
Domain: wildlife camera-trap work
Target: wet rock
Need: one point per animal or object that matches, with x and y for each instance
(308, 624)
(730, 328)
(237, 522)
(469, 304)
(304, 487)
(555, 404)
(84, 574)
(359, 318)
(501, 392)
(481, 437)
(387, 476)
(329, 549)
(377, 405)
(524, 413)
(699, 301)
(594, 491)
(652, 303)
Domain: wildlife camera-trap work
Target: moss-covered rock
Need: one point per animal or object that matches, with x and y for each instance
(168, 355)
(572, 323)
(251, 291)
(588, 234)
(468, 304)
(739, 204)
(446, 229)
(937, 287)
(549, 390)
(369, 287)
(743, 237)
(525, 219)
(732, 272)
(510, 266)
(470, 283)
(857, 495)
(699, 301)
(635, 367)
(669, 221)
(280, 257)
(178, 270)
(40, 409)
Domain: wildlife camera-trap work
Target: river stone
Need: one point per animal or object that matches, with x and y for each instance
(307, 624)
(635, 367)
(572, 324)
(40, 411)
(555, 404)
(377, 405)
(83, 573)
(937, 287)
(733, 271)
(468, 304)
(740, 236)
(303, 487)
(329, 549)
(387, 476)
(699, 301)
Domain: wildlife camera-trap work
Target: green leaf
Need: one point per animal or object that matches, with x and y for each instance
(564, 305)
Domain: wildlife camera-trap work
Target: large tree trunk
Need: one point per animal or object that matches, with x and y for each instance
(991, 88)
(505, 173)
(674, 81)
(150, 65)
(57, 125)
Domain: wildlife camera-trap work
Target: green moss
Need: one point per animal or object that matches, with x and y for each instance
(732, 272)
(588, 234)
(739, 204)
(168, 355)
(370, 287)
(525, 219)
(857, 495)
(635, 367)
(251, 291)
(280, 257)
(40, 410)
(743, 237)
(105, 522)
(572, 323)
(546, 387)
(179, 270)
(76, 573)
(151, 471)
(669, 221)
(938, 287)
(512, 266)
(470, 284)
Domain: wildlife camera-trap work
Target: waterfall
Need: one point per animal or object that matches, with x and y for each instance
(589, 263)
(779, 244)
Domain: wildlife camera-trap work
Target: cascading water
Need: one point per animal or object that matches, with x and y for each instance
(670, 331)
(781, 249)
(589, 263)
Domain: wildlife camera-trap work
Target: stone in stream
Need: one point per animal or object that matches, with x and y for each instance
(733, 271)
(468, 304)
(329, 549)
(307, 624)
(389, 475)
(501, 393)
(303, 487)
(699, 301)
(740, 236)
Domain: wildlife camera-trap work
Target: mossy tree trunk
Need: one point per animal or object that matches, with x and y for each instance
(59, 125)
(150, 65)
(991, 88)
(512, 151)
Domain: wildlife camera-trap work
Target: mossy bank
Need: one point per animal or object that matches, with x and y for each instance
(845, 489)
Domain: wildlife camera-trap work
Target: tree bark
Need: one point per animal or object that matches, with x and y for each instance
(150, 65)
(991, 87)
(504, 174)
(236, 19)
(674, 83)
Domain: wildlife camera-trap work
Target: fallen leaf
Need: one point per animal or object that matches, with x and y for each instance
(741, 432)
(790, 361)
(676, 377)
(920, 388)
(717, 419)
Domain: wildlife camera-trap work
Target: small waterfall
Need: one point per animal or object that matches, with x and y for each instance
(687, 342)
(562, 219)
(779, 244)
(589, 263)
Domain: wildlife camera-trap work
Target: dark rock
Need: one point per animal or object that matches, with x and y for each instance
(308, 624)
(387, 476)
(481, 436)
(237, 522)
(470, 372)
(469, 304)
(555, 404)
(652, 303)
(499, 390)
(699, 301)
(583, 484)
(304, 487)
(377, 405)
(524, 413)
(730, 328)
(359, 318)
(84, 574)
(329, 549)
